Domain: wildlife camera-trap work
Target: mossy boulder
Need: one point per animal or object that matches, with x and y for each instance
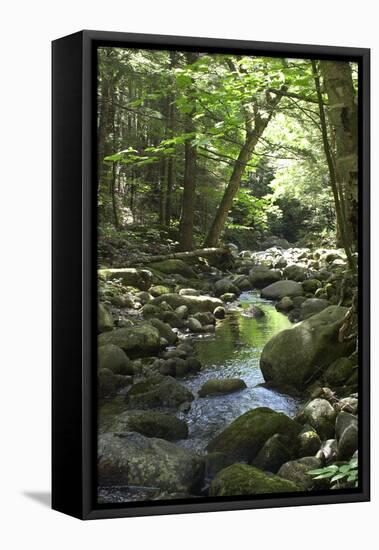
(311, 306)
(309, 442)
(104, 318)
(115, 359)
(311, 285)
(151, 424)
(339, 372)
(158, 391)
(129, 276)
(277, 450)
(241, 479)
(262, 276)
(194, 304)
(280, 289)
(295, 272)
(285, 304)
(139, 340)
(296, 356)
(165, 331)
(225, 286)
(245, 436)
(216, 386)
(133, 459)
(174, 266)
(158, 290)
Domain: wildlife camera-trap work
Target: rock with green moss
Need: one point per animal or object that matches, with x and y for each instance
(129, 276)
(225, 286)
(106, 383)
(194, 304)
(296, 356)
(104, 318)
(277, 291)
(140, 340)
(216, 386)
(158, 290)
(262, 276)
(339, 372)
(242, 479)
(174, 266)
(311, 285)
(165, 331)
(133, 459)
(151, 424)
(309, 442)
(295, 272)
(158, 391)
(277, 450)
(115, 359)
(312, 306)
(245, 436)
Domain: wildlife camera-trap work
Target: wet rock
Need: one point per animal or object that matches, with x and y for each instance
(189, 292)
(194, 325)
(277, 291)
(311, 285)
(295, 356)
(219, 312)
(104, 318)
(262, 276)
(158, 290)
(165, 331)
(225, 286)
(115, 359)
(151, 424)
(297, 472)
(182, 312)
(285, 304)
(311, 306)
(246, 435)
(241, 479)
(133, 459)
(347, 435)
(309, 442)
(348, 404)
(255, 312)
(158, 391)
(139, 278)
(228, 297)
(214, 463)
(277, 450)
(339, 372)
(216, 386)
(173, 319)
(328, 451)
(319, 414)
(139, 340)
(149, 311)
(295, 272)
(205, 318)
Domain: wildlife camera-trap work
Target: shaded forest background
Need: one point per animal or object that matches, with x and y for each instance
(197, 149)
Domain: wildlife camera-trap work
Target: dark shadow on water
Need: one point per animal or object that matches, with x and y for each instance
(42, 497)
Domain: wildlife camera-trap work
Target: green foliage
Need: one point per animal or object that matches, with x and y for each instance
(338, 473)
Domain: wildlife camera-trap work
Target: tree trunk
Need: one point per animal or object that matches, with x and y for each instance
(343, 116)
(189, 183)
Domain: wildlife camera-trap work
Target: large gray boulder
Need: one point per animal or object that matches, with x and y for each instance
(296, 356)
(139, 340)
(347, 435)
(129, 276)
(295, 272)
(193, 303)
(311, 306)
(216, 386)
(277, 291)
(223, 286)
(245, 436)
(133, 459)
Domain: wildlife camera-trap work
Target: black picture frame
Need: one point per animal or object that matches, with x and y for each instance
(74, 272)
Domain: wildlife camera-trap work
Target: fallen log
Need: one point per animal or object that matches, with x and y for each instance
(223, 253)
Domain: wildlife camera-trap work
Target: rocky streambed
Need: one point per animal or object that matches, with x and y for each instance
(222, 381)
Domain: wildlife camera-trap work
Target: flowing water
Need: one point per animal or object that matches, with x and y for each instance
(234, 352)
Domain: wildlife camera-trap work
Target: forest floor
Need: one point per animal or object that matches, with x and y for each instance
(221, 375)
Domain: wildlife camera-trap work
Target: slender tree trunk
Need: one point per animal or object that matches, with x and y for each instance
(189, 182)
(343, 116)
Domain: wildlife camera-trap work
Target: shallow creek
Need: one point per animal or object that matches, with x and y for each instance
(234, 352)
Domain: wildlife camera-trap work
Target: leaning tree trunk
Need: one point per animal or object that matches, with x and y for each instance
(343, 116)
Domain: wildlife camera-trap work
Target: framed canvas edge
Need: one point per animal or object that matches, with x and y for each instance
(90, 40)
